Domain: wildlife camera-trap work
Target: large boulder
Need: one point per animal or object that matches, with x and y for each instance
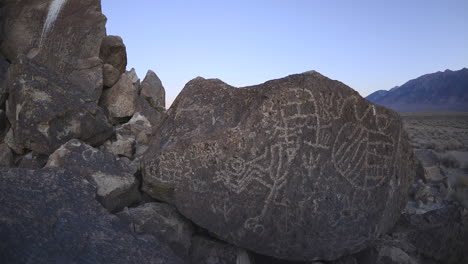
(114, 52)
(45, 111)
(51, 216)
(120, 100)
(300, 168)
(116, 186)
(64, 36)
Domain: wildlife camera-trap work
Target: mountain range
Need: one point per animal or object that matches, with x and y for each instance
(439, 91)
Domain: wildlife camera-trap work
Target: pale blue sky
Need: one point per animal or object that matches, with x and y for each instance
(369, 45)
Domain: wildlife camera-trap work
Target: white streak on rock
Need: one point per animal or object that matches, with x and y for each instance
(54, 10)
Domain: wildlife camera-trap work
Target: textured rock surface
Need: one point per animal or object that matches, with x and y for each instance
(3, 79)
(51, 216)
(116, 185)
(110, 74)
(11, 142)
(154, 116)
(6, 156)
(33, 161)
(299, 168)
(4, 125)
(208, 251)
(123, 147)
(441, 235)
(120, 100)
(45, 111)
(153, 91)
(114, 52)
(69, 45)
(162, 221)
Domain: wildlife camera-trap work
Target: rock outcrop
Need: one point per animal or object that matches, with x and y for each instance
(51, 216)
(116, 186)
(63, 36)
(45, 111)
(299, 168)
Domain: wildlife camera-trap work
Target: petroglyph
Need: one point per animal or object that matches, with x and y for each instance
(292, 164)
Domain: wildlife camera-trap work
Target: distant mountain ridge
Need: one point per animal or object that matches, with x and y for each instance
(440, 91)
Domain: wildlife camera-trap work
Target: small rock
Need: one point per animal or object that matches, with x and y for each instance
(6, 156)
(209, 251)
(116, 186)
(33, 161)
(123, 146)
(140, 150)
(153, 91)
(114, 52)
(110, 74)
(120, 100)
(427, 157)
(162, 221)
(433, 174)
(423, 193)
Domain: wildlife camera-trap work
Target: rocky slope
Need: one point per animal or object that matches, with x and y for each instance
(440, 91)
(296, 169)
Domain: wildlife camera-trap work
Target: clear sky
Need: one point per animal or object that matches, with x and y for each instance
(369, 45)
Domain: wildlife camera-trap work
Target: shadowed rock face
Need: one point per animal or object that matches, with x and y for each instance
(70, 46)
(46, 111)
(51, 216)
(299, 168)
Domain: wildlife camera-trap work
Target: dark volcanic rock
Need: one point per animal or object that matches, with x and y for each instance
(68, 44)
(299, 168)
(3, 79)
(4, 125)
(208, 251)
(441, 234)
(33, 161)
(45, 111)
(116, 185)
(51, 216)
(153, 91)
(6, 156)
(162, 221)
(114, 52)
